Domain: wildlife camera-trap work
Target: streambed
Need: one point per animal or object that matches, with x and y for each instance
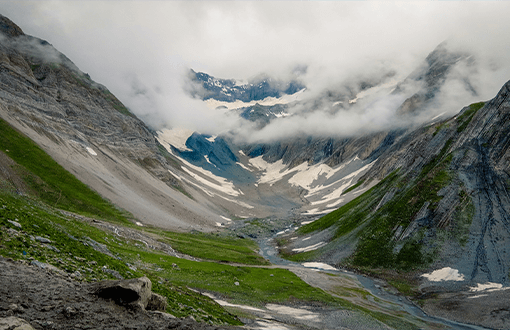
(380, 297)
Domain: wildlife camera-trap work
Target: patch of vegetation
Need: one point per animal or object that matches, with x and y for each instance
(34, 67)
(376, 246)
(403, 286)
(116, 104)
(301, 256)
(440, 127)
(81, 80)
(78, 248)
(464, 119)
(351, 188)
(51, 182)
(215, 247)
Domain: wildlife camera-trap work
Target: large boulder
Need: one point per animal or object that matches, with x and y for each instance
(157, 303)
(14, 323)
(134, 292)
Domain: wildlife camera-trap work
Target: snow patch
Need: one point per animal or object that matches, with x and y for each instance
(318, 265)
(139, 224)
(243, 166)
(269, 325)
(225, 218)
(297, 313)
(444, 274)
(268, 101)
(438, 116)
(310, 248)
(91, 151)
(317, 211)
(212, 138)
(176, 137)
(224, 303)
(488, 287)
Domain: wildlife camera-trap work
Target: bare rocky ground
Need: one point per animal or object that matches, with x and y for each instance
(488, 309)
(46, 300)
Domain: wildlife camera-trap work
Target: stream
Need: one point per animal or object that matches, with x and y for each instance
(311, 275)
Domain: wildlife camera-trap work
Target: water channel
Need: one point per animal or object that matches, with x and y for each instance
(269, 251)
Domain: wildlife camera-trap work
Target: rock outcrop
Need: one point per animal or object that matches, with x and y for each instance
(134, 293)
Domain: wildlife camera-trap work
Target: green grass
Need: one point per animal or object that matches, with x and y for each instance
(71, 239)
(440, 127)
(215, 247)
(351, 188)
(466, 117)
(376, 245)
(51, 182)
(403, 286)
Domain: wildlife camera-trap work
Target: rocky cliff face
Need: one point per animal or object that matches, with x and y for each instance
(88, 130)
(443, 201)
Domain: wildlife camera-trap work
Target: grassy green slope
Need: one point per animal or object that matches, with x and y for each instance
(215, 247)
(51, 182)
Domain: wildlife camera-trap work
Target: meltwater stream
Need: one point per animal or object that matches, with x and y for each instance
(269, 251)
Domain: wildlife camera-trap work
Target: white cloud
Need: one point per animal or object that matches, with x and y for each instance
(141, 49)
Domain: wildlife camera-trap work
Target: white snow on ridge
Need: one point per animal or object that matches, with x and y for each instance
(268, 101)
(207, 159)
(212, 138)
(176, 137)
(243, 166)
(220, 184)
(304, 175)
(444, 274)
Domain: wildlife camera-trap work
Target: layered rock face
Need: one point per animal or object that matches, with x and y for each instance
(83, 126)
(471, 219)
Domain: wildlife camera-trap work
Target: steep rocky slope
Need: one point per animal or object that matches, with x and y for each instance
(439, 214)
(83, 126)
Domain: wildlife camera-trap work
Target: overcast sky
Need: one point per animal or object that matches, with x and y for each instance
(143, 46)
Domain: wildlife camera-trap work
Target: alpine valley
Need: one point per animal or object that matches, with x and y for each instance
(403, 226)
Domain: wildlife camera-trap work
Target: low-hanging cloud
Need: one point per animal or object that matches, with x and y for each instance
(142, 52)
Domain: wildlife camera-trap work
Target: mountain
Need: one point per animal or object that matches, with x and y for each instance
(409, 204)
(230, 90)
(84, 127)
